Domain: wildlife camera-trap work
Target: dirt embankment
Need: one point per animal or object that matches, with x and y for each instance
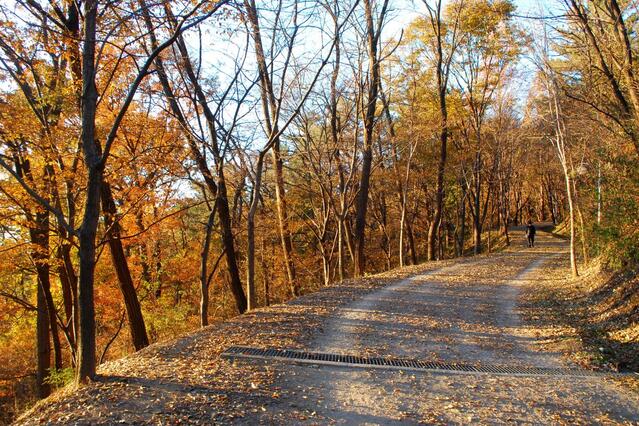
(595, 316)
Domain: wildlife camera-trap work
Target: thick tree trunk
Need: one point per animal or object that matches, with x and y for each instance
(476, 237)
(86, 340)
(87, 234)
(224, 213)
(439, 196)
(361, 210)
(326, 264)
(127, 288)
(40, 239)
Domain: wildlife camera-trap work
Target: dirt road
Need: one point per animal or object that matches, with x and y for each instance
(455, 310)
(464, 312)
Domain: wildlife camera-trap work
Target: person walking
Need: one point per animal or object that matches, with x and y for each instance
(530, 233)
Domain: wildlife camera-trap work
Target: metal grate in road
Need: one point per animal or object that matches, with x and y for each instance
(320, 358)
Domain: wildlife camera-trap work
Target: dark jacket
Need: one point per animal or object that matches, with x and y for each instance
(530, 230)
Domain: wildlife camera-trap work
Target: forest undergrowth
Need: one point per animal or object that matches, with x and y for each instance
(593, 319)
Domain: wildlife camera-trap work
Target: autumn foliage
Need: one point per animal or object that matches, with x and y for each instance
(165, 165)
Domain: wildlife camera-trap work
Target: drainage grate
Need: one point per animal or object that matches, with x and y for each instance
(319, 358)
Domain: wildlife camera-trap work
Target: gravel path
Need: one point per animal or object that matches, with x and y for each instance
(463, 312)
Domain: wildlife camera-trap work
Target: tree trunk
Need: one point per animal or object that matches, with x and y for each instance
(282, 219)
(40, 241)
(265, 278)
(551, 206)
(335, 140)
(411, 242)
(573, 259)
(250, 231)
(504, 211)
(143, 249)
(53, 323)
(43, 344)
(582, 230)
(462, 216)
(127, 288)
(340, 247)
(477, 224)
(402, 226)
(86, 342)
(440, 239)
(367, 155)
(443, 142)
(326, 265)
(271, 111)
(489, 242)
(157, 250)
(228, 240)
(204, 277)
(69, 285)
(599, 195)
(88, 229)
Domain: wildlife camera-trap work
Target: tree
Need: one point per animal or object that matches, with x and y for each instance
(446, 40)
(374, 25)
(209, 134)
(487, 52)
(275, 125)
(605, 37)
(95, 157)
